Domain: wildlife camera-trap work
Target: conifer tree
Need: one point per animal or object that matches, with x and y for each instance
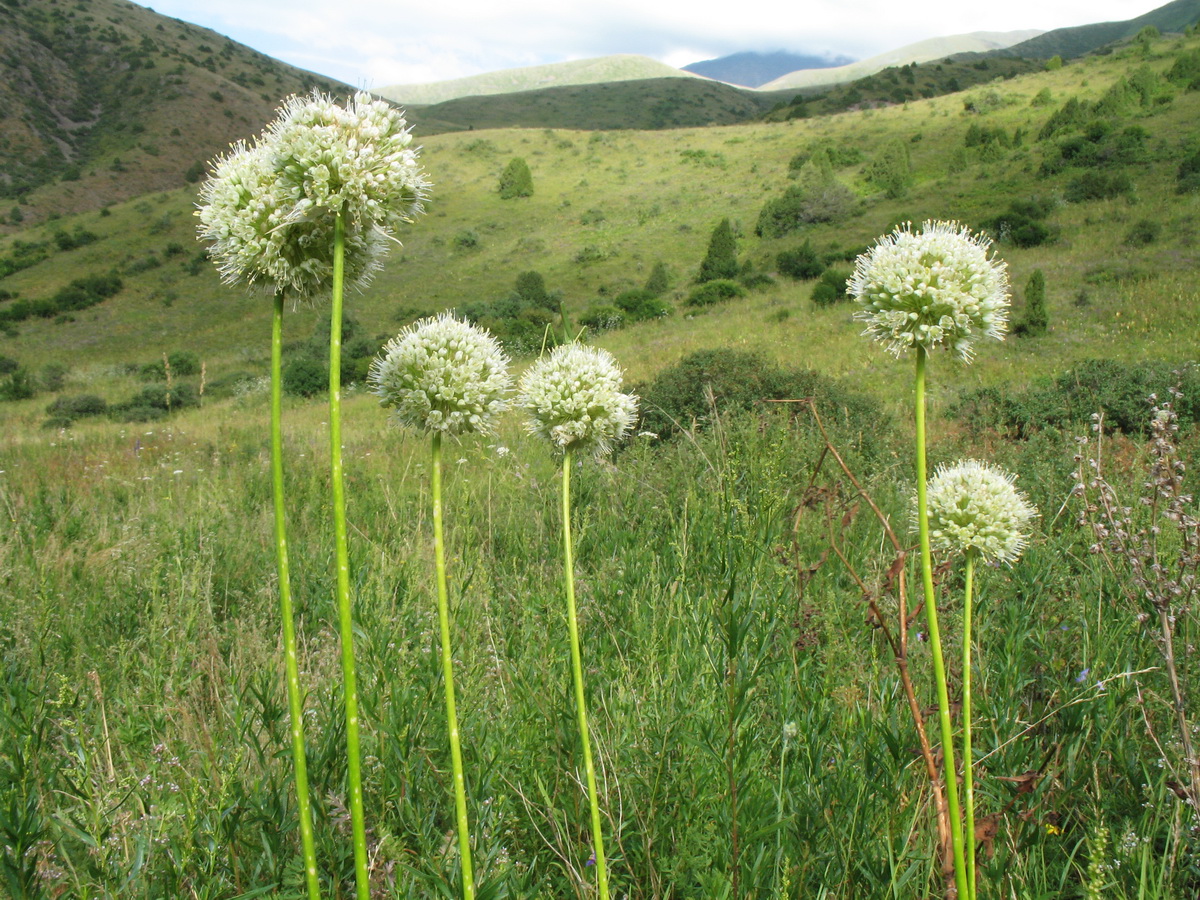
(721, 259)
(516, 180)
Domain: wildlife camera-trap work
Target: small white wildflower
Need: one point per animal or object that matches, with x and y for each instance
(975, 508)
(442, 374)
(934, 287)
(573, 399)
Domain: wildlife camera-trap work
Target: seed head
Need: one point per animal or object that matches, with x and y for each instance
(573, 399)
(934, 287)
(442, 374)
(975, 508)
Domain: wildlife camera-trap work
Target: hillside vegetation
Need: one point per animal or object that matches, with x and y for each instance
(104, 100)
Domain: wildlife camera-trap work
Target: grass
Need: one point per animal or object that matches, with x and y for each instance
(145, 559)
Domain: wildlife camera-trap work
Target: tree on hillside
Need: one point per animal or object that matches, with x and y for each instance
(721, 259)
(1036, 319)
(516, 180)
(891, 170)
(659, 280)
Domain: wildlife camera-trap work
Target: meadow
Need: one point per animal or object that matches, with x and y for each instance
(749, 722)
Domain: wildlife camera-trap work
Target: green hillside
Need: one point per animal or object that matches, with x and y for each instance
(601, 70)
(652, 103)
(104, 100)
(1072, 42)
(608, 206)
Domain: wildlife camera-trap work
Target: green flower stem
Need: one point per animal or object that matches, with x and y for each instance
(577, 672)
(295, 704)
(968, 775)
(460, 788)
(345, 616)
(935, 638)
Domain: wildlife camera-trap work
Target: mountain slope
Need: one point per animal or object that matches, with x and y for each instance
(1076, 41)
(922, 51)
(603, 69)
(751, 69)
(105, 100)
(650, 104)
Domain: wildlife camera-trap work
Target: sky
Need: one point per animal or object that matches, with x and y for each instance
(375, 43)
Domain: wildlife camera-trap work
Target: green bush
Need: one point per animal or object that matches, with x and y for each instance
(1144, 232)
(715, 292)
(602, 317)
(18, 386)
(8, 365)
(1098, 186)
(1036, 319)
(1120, 391)
(639, 305)
(721, 259)
(77, 407)
(799, 206)
(1187, 179)
(802, 263)
(516, 180)
(659, 281)
(831, 288)
(728, 381)
(304, 376)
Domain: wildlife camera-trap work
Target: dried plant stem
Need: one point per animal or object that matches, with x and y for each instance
(935, 638)
(968, 775)
(345, 615)
(460, 788)
(577, 673)
(291, 666)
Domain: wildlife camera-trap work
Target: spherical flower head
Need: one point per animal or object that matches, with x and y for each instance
(929, 288)
(975, 508)
(573, 399)
(269, 209)
(442, 375)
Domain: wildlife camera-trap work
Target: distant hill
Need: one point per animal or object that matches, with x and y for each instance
(1071, 42)
(603, 69)
(107, 100)
(922, 51)
(751, 69)
(646, 104)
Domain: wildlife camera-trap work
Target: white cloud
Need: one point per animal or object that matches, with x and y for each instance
(378, 42)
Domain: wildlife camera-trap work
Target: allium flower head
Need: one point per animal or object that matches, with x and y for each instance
(573, 399)
(975, 508)
(929, 288)
(269, 208)
(442, 374)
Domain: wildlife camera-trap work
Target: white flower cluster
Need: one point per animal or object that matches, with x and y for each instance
(573, 398)
(442, 374)
(934, 287)
(269, 207)
(975, 508)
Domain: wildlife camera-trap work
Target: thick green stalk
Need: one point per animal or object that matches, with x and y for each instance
(968, 775)
(460, 788)
(345, 615)
(577, 673)
(935, 637)
(295, 704)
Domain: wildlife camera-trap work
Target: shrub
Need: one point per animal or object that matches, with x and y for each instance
(639, 305)
(8, 365)
(891, 169)
(52, 376)
(728, 381)
(18, 386)
(714, 292)
(831, 288)
(516, 180)
(802, 263)
(1035, 320)
(721, 259)
(831, 202)
(304, 376)
(77, 407)
(1187, 179)
(1144, 232)
(659, 280)
(1098, 186)
(602, 317)
(1118, 390)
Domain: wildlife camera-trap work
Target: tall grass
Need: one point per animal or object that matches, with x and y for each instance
(145, 559)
